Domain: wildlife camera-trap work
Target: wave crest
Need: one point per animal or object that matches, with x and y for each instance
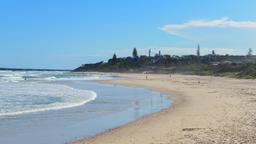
(22, 98)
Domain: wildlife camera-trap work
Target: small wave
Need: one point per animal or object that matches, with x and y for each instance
(30, 97)
(24, 92)
(77, 78)
(17, 76)
(94, 95)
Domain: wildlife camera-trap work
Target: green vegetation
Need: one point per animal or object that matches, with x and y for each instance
(248, 72)
(135, 53)
(211, 64)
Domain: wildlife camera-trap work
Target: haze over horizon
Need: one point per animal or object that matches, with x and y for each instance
(64, 34)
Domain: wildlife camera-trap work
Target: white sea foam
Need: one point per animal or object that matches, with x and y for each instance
(21, 98)
(17, 76)
(28, 92)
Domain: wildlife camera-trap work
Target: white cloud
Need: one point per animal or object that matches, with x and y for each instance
(216, 23)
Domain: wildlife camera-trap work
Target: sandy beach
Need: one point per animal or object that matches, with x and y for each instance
(205, 110)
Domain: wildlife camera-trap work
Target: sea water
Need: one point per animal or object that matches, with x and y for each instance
(27, 92)
(59, 107)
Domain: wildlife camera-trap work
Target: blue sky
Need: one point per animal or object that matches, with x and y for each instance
(65, 33)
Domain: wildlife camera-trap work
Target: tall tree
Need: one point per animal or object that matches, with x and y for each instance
(249, 52)
(213, 55)
(213, 52)
(135, 53)
(149, 53)
(114, 59)
(198, 51)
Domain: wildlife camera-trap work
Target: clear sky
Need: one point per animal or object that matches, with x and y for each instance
(67, 33)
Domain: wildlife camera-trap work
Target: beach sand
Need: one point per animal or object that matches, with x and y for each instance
(205, 110)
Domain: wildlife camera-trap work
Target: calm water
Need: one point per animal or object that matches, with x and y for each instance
(59, 107)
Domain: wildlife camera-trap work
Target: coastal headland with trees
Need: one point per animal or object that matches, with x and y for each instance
(239, 66)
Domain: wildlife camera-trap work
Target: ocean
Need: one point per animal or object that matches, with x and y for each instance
(46, 107)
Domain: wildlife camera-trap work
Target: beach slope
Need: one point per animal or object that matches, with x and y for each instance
(205, 110)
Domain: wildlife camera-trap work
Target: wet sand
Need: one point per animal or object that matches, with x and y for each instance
(114, 106)
(205, 110)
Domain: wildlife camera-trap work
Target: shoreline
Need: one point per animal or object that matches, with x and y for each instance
(67, 125)
(204, 110)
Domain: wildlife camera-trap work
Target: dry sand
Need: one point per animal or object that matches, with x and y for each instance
(205, 110)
